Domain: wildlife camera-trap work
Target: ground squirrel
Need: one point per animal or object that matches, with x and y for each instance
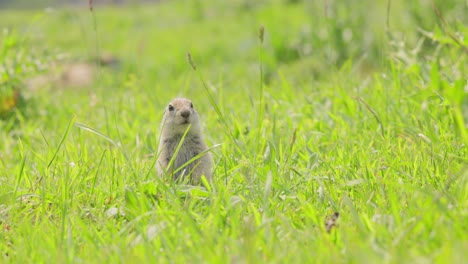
(179, 116)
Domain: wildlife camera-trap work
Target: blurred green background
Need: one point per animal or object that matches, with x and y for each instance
(358, 107)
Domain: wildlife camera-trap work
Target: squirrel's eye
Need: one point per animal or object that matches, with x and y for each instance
(170, 107)
(191, 105)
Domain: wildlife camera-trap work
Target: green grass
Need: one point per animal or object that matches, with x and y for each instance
(348, 115)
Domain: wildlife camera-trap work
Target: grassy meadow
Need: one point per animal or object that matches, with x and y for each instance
(354, 108)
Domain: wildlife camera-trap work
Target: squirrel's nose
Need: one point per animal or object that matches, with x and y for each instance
(185, 113)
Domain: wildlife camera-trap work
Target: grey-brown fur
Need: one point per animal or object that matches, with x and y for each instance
(178, 116)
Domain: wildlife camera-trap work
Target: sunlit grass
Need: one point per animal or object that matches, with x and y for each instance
(378, 136)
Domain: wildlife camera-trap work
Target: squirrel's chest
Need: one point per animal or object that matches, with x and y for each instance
(182, 150)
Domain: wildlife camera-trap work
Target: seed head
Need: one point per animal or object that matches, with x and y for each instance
(190, 61)
(261, 33)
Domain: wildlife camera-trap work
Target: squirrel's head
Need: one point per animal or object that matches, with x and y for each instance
(179, 115)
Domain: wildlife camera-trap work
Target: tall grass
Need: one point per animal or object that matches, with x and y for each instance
(310, 122)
